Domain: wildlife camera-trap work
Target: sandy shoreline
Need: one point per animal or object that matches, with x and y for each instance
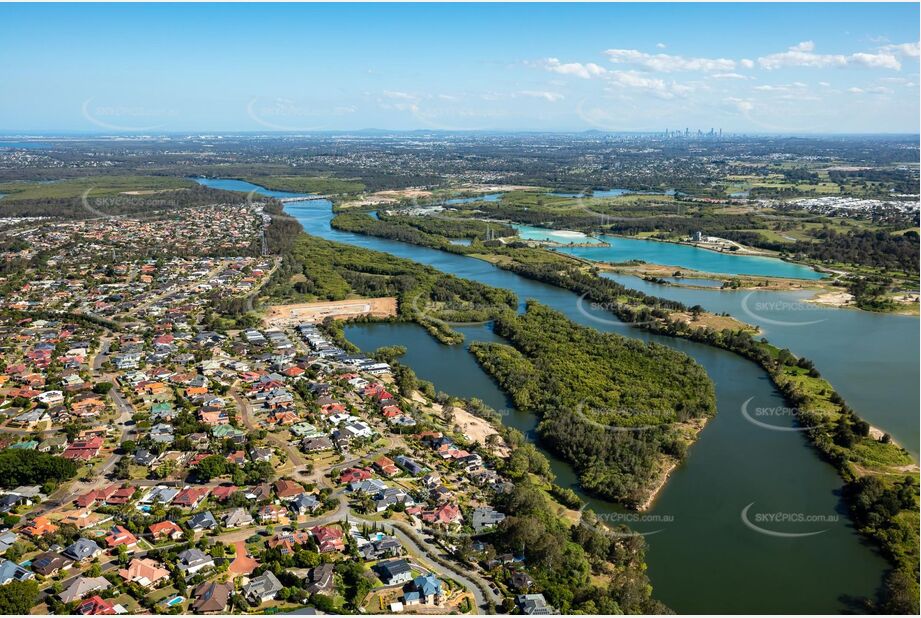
(698, 426)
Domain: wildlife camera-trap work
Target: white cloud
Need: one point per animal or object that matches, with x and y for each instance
(781, 87)
(661, 45)
(552, 97)
(911, 50)
(746, 63)
(728, 76)
(403, 96)
(741, 105)
(881, 60)
(667, 63)
(584, 70)
(636, 80)
(803, 55)
(872, 90)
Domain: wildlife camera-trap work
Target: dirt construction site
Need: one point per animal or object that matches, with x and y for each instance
(287, 315)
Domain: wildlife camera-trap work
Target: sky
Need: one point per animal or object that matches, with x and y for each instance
(744, 68)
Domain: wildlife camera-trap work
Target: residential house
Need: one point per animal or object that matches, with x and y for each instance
(10, 572)
(120, 535)
(165, 530)
(39, 527)
(82, 549)
(97, 606)
(273, 513)
(394, 572)
(262, 589)
(144, 457)
(287, 489)
(484, 518)
(392, 496)
(83, 450)
(304, 504)
(193, 560)
(82, 586)
(534, 605)
(202, 521)
(443, 514)
(222, 492)
(315, 445)
(7, 539)
(424, 589)
(322, 579)
(144, 571)
(191, 497)
(328, 538)
(287, 541)
(384, 547)
(369, 486)
(49, 563)
(520, 581)
(410, 465)
(386, 467)
(238, 518)
(353, 475)
(212, 597)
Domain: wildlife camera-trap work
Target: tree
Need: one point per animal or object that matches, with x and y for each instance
(211, 466)
(18, 597)
(102, 388)
(22, 467)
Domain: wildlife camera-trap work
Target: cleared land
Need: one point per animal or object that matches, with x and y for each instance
(278, 315)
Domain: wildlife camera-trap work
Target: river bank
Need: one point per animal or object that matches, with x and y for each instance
(839, 436)
(689, 562)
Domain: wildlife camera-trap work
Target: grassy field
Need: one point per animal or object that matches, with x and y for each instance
(99, 186)
(778, 182)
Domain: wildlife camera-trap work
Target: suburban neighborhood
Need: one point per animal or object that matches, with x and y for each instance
(161, 457)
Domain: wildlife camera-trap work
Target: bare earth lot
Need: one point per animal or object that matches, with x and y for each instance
(281, 315)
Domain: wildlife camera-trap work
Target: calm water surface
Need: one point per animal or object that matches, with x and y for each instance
(702, 558)
(621, 249)
(871, 358)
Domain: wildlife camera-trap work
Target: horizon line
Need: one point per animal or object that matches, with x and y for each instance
(255, 132)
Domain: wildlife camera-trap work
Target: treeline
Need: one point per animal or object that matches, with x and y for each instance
(881, 510)
(452, 227)
(610, 405)
(282, 230)
(23, 467)
(580, 568)
(317, 269)
(894, 252)
(363, 223)
(838, 434)
(903, 181)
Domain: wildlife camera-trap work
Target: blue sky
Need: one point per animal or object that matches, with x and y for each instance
(622, 67)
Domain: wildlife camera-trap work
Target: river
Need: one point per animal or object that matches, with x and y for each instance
(702, 557)
(871, 358)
